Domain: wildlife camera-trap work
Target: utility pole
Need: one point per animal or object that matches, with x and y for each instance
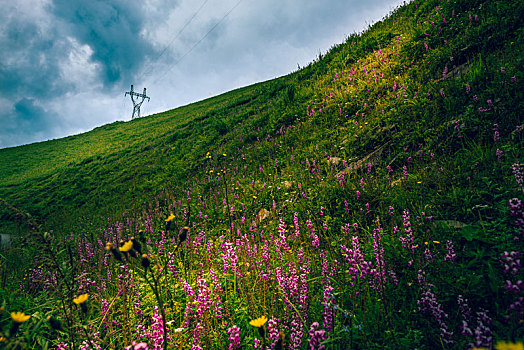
(136, 105)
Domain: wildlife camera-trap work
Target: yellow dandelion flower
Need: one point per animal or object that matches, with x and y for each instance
(254, 197)
(436, 242)
(126, 247)
(259, 322)
(502, 345)
(426, 243)
(81, 299)
(19, 317)
(170, 218)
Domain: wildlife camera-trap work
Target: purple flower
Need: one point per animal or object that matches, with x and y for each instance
(428, 304)
(155, 333)
(516, 208)
(499, 154)
(378, 249)
(234, 337)
(496, 134)
(391, 211)
(317, 337)
(137, 346)
(518, 173)
(450, 256)
(273, 332)
(407, 242)
(297, 227)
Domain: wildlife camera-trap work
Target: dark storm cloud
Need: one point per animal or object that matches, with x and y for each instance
(26, 120)
(112, 29)
(29, 114)
(28, 65)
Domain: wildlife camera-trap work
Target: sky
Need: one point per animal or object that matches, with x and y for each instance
(66, 64)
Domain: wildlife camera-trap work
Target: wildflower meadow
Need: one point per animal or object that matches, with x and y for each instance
(370, 200)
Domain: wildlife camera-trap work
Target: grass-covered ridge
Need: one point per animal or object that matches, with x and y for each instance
(372, 199)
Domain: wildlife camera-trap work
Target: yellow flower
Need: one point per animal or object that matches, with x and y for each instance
(259, 322)
(110, 246)
(81, 299)
(437, 242)
(254, 197)
(19, 317)
(502, 345)
(170, 218)
(126, 247)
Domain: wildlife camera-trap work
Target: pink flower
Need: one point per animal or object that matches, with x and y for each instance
(139, 346)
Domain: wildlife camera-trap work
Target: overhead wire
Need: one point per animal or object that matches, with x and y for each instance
(162, 76)
(151, 63)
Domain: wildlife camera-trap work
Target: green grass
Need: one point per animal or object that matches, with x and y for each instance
(399, 157)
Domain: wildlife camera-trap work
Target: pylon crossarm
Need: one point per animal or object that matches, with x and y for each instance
(136, 105)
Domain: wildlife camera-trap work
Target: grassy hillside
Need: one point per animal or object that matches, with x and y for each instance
(370, 200)
(108, 168)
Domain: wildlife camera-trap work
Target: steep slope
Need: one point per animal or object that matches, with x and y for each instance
(121, 162)
(106, 169)
(370, 200)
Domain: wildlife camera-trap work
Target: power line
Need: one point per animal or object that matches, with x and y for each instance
(150, 67)
(198, 42)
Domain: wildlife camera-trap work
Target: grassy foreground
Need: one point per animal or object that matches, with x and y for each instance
(370, 200)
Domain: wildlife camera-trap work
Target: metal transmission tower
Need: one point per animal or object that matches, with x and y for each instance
(136, 105)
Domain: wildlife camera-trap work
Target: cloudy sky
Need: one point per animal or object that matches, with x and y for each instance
(65, 64)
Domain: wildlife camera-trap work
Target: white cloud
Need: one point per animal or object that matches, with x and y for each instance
(78, 68)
